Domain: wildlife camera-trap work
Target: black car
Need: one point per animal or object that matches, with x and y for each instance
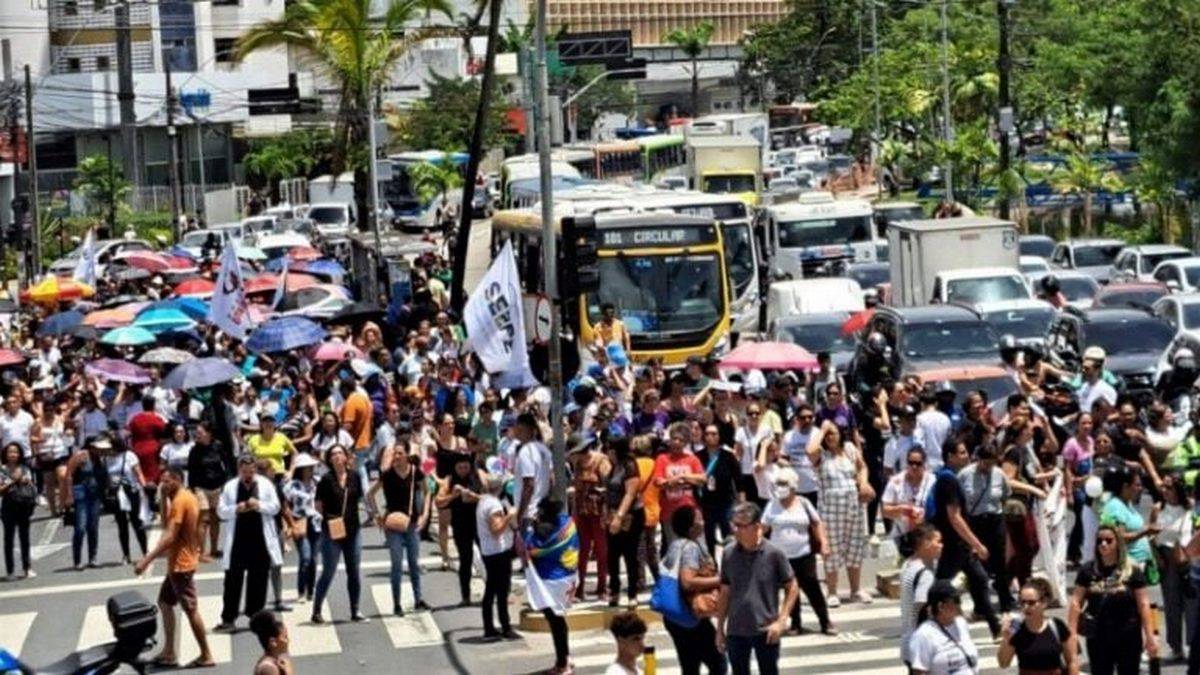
(923, 338)
(869, 274)
(1133, 341)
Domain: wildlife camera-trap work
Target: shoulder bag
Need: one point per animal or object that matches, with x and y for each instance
(703, 603)
(398, 521)
(336, 527)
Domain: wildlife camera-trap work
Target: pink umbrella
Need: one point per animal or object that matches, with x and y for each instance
(117, 370)
(334, 351)
(769, 356)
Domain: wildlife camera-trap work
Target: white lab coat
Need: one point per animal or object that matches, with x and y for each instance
(268, 508)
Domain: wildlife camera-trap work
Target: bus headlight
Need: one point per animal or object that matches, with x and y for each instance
(722, 346)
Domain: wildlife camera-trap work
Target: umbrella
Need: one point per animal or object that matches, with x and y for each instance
(304, 253)
(129, 336)
(163, 318)
(11, 357)
(197, 288)
(85, 332)
(250, 253)
(200, 373)
(356, 312)
(187, 337)
(195, 308)
(158, 263)
(769, 356)
(123, 299)
(61, 323)
(284, 333)
(54, 289)
(166, 355)
(180, 252)
(328, 268)
(269, 282)
(117, 370)
(333, 351)
(131, 274)
(111, 318)
(857, 321)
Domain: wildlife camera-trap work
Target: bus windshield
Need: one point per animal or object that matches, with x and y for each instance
(660, 295)
(825, 232)
(721, 185)
(739, 256)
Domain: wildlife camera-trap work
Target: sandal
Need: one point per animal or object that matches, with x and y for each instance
(160, 662)
(199, 662)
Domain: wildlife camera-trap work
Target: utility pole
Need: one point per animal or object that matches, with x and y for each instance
(374, 196)
(14, 147)
(947, 129)
(129, 154)
(173, 148)
(1005, 114)
(203, 178)
(878, 135)
(31, 158)
(550, 257)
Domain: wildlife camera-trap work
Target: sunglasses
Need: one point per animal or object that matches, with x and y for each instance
(752, 413)
(1106, 540)
(1028, 603)
(919, 462)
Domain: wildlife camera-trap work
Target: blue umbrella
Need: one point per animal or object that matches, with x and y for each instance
(128, 336)
(195, 308)
(284, 333)
(274, 264)
(181, 252)
(200, 373)
(328, 268)
(61, 323)
(163, 318)
(186, 338)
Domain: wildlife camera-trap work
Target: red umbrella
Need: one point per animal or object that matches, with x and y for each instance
(769, 356)
(11, 357)
(304, 253)
(197, 288)
(334, 351)
(857, 321)
(269, 282)
(157, 262)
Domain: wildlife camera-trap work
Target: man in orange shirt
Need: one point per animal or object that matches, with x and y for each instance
(181, 543)
(356, 420)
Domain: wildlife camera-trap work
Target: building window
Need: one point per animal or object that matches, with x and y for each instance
(70, 8)
(102, 63)
(73, 65)
(223, 49)
(99, 5)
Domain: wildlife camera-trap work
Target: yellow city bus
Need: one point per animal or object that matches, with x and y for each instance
(665, 273)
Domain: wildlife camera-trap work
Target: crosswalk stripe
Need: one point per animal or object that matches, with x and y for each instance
(308, 639)
(16, 629)
(96, 629)
(221, 644)
(414, 629)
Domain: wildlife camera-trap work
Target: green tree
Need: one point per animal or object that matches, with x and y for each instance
(445, 119)
(1081, 176)
(435, 180)
(353, 45)
(291, 155)
(104, 186)
(692, 42)
(1154, 183)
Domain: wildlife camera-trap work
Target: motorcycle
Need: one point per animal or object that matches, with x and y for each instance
(134, 621)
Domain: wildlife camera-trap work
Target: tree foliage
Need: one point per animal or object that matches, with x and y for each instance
(444, 119)
(292, 155)
(104, 186)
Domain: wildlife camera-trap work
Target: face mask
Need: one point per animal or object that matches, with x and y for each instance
(782, 492)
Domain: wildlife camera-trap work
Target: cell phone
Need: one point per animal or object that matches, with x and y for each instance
(1015, 623)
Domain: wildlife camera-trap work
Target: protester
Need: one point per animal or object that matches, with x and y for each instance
(719, 493)
(458, 494)
(337, 500)
(494, 525)
(18, 499)
(923, 545)
(551, 552)
(695, 644)
(272, 636)
(793, 524)
(942, 643)
(677, 473)
(626, 520)
(304, 524)
(86, 478)
(1041, 644)
(844, 490)
(905, 495)
(1175, 519)
(126, 498)
(590, 469)
(248, 505)
(209, 467)
(629, 631)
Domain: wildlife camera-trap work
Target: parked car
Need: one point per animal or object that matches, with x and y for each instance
(1033, 264)
(1133, 340)
(106, 249)
(331, 218)
(869, 275)
(1025, 320)
(1036, 244)
(1093, 257)
(1181, 310)
(277, 245)
(992, 380)
(1137, 263)
(1181, 275)
(193, 242)
(1130, 294)
(820, 332)
(315, 302)
(1079, 288)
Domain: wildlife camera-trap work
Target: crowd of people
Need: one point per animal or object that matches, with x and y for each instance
(734, 496)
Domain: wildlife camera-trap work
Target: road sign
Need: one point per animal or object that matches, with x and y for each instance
(629, 69)
(541, 319)
(595, 47)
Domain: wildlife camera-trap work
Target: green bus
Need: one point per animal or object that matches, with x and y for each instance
(660, 153)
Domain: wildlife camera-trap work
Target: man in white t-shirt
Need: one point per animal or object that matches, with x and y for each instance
(533, 466)
(629, 631)
(16, 425)
(1094, 387)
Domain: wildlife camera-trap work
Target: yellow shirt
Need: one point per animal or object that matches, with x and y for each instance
(273, 450)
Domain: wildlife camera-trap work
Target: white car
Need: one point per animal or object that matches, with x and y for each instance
(193, 242)
(1181, 275)
(1137, 263)
(106, 250)
(1033, 264)
(315, 302)
(260, 224)
(1027, 321)
(276, 245)
(980, 285)
(1080, 289)
(331, 218)
(1181, 311)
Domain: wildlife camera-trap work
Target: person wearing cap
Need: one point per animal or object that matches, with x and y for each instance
(248, 505)
(942, 644)
(303, 522)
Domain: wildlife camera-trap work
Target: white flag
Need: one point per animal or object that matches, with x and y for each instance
(496, 324)
(228, 308)
(85, 269)
(282, 285)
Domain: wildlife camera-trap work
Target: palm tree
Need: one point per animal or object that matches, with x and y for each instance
(692, 42)
(1155, 184)
(1081, 176)
(434, 180)
(463, 236)
(355, 48)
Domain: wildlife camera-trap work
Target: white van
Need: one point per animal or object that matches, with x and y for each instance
(812, 296)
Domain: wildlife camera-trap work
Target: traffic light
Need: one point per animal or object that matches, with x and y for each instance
(578, 266)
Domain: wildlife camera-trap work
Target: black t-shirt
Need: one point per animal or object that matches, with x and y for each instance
(720, 487)
(207, 467)
(727, 430)
(1125, 447)
(1110, 600)
(947, 491)
(397, 489)
(331, 496)
(874, 440)
(462, 513)
(249, 547)
(446, 458)
(1041, 651)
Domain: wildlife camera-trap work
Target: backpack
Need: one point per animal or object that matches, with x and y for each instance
(931, 505)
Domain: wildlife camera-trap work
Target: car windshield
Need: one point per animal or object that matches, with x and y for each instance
(1191, 315)
(949, 340)
(739, 256)
(195, 238)
(1022, 324)
(1042, 248)
(1193, 275)
(1077, 288)
(1128, 336)
(996, 388)
(1132, 296)
(825, 232)
(870, 276)
(660, 295)
(1151, 260)
(327, 215)
(899, 213)
(985, 289)
(1096, 255)
(818, 337)
(721, 185)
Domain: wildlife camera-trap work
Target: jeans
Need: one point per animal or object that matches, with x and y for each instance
(805, 569)
(401, 544)
(363, 464)
(624, 546)
(496, 588)
(306, 567)
(956, 557)
(87, 521)
(16, 526)
(126, 519)
(990, 529)
(716, 517)
(696, 646)
(1177, 600)
(350, 549)
(739, 647)
(464, 543)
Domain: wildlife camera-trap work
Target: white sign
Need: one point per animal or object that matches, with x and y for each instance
(228, 308)
(496, 325)
(85, 269)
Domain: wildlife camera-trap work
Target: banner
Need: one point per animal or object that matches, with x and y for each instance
(85, 269)
(496, 324)
(228, 308)
(282, 285)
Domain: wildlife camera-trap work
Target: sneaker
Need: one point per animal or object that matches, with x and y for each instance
(397, 611)
(281, 607)
(511, 634)
(491, 636)
(316, 619)
(357, 617)
(421, 605)
(30, 574)
(829, 630)
(864, 596)
(225, 627)
(834, 601)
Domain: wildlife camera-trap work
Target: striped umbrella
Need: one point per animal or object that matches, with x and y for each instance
(284, 333)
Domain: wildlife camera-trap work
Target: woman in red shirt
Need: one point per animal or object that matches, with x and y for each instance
(146, 431)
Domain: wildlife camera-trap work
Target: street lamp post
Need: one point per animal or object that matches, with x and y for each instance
(947, 128)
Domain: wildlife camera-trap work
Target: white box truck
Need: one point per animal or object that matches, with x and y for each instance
(726, 165)
(752, 125)
(926, 253)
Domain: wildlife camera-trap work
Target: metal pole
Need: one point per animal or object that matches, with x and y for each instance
(947, 130)
(173, 151)
(374, 197)
(1004, 63)
(200, 152)
(878, 135)
(31, 157)
(14, 147)
(550, 257)
(129, 155)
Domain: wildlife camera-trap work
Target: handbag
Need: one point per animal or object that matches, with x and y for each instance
(704, 603)
(667, 598)
(336, 527)
(300, 527)
(398, 521)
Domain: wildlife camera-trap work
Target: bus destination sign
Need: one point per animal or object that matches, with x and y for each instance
(651, 237)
